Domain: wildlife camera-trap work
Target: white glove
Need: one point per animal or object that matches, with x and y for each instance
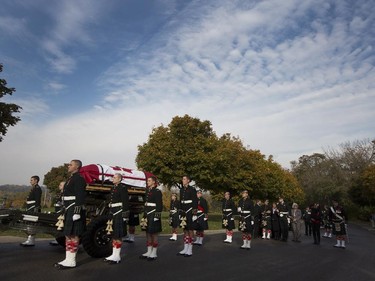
(252, 222)
(239, 209)
(155, 219)
(195, 218)
(76, 217)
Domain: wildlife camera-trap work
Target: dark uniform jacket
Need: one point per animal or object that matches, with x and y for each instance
(245, 210)
(74, 195)
(33, 200)
(153, 208)
(119, 210)
(202, 215)
(188, 206)
(338, 219)
(229, 210)
(173, 213)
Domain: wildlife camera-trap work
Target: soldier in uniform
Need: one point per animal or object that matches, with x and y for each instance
(338, 219)
(266, 220)
(327, 223)
(118, 215)
(33, 204)
(151, 221)
(246, 222)
(275, 222)
(283, 218)
(188, 210)
(229, 209)
(173, 216)
(257, 218)
(201, 223)
(316, 219)
(74, 194)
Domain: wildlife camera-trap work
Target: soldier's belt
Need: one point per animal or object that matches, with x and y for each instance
(284, 213)
(188, 210)
(30, 202)
(150, 212)
(199, 211)
(115, 205)
(119, 211)
(187, 201)
(245, 212)
(147, 204)
(33, 206)
(246, 216)
(69, 206)
(68, 198)
(227, 210)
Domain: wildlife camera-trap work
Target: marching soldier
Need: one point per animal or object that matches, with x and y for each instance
(33, 204)
(338, 219)
(188, 210)
(246, 222)
(266, 220)
(173, 216)
(229, 209)
(74, 221)
(201, 223)
(151, 221)
(118, 215)
(283, 219)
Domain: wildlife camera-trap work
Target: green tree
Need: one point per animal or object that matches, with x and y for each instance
(56, 175)
(190, 146)
(7, 109)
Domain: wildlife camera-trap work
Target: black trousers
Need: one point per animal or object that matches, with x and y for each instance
(284, 229)
(316, 232)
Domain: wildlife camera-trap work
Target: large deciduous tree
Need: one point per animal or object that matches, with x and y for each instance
(7, 110)
(190, 146)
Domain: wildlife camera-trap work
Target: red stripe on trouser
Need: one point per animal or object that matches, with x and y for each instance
(116, 244)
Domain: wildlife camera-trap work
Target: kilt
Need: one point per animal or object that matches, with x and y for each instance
(228, 222)
(118, 223)
(174, 221)
(244, 223)
(152, 225)
(200, 223)
(74, 228)
(339, 228)
(133, 219)
(266, 222)
(188, 220)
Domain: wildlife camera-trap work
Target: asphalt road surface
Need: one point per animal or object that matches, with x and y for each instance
(266, 260)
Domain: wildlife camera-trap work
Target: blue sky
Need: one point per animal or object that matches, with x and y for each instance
(288, 77)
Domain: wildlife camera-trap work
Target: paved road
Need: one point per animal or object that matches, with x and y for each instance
(267, 260)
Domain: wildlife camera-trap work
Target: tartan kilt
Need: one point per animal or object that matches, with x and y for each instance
(338, 228)
(153, 226)
(174, 221)
(189, 220)
(200, 223)
(266, 223)
(244, 224)
(74, 228)
(230, 222)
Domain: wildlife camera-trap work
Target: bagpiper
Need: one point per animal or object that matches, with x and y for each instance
(118, 216)
(338, 219)
(229, 210)
(201, 223)
(246, 221)
(188, 210)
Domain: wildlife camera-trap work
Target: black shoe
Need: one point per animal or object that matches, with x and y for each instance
(142, 257)
(27, 245)
(112, 262)
(151, 259)
(187, 256)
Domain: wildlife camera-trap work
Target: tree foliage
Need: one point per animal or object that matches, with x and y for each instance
(56, 175)
(7, 109)
(217, 164)
(332, 174)
(362, 192)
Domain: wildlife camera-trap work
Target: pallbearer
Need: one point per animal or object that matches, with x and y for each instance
(246, 222)
(173, 216)
(201, 223)
(229, 209)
